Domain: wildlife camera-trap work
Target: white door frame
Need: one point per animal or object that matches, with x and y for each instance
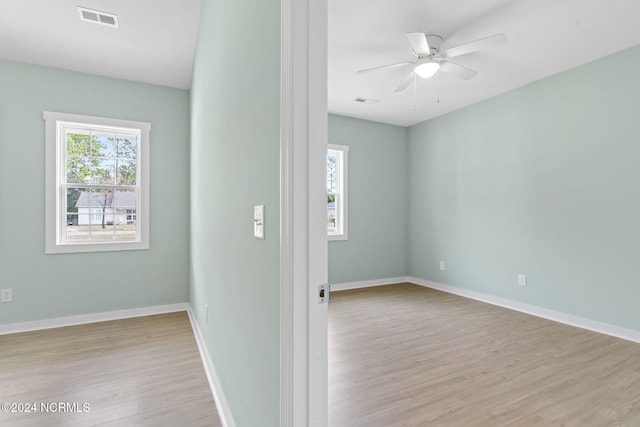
(304, 258)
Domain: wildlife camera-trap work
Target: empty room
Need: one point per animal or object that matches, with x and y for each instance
(356, 213)
(486, 271)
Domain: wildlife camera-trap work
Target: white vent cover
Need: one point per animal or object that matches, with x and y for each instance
(97, 17)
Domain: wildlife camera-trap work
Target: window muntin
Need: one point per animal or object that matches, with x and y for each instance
(337, 156)
(97, 180)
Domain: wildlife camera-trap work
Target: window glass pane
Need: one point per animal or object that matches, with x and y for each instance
(74, 231)
(331, 214)
(109, 146)
(78, 200)
(78, 170)
(101, 206)
(126, 172)
(126, 234)
(103, 171)
(73, 199)
(100, 233)
(337, 158)
(78, 143)
(125, 199)
(127, 147)
(103, 145)
(72, 219)
(125, 204)
(332, 177)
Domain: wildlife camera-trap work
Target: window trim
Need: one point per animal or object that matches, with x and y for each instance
(54, 157)
(343, 206)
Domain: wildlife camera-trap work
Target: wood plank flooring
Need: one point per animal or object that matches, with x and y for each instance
(144, 371)
(404, 355)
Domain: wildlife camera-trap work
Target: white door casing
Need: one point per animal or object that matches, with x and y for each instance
(304, 259)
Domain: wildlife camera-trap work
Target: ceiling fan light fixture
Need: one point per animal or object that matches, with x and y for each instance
(427, 69)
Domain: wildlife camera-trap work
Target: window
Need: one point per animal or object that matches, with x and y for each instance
(97, 180)
(337, 160)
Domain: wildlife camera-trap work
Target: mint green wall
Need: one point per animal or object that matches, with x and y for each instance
(543, 180)
(235, 165)
(48, 286)
(377, 245)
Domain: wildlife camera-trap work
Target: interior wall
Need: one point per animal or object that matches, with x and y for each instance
(49, 286)
(235, 165)
(378, 201)
(543, 180)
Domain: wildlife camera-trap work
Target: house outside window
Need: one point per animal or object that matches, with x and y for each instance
(97, 184)
(337, 162)
(131, 216)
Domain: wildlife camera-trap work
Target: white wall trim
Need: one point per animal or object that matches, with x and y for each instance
(556, 316)
(224, 411)
(303, 239)
(368, 283)
(81, 319)
(292, 363)
(294, 386)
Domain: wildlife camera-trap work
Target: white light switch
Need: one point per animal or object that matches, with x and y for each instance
(258, 222)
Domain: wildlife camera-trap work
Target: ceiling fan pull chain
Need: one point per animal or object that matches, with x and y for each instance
(438, 87)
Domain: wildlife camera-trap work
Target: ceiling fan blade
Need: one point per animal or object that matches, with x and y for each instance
(457, 70)
(381, 67)
(406, 82)
(419, 43)
(463, 49)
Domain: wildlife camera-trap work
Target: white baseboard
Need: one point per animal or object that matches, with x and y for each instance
(224, 411)
(556, 316)
(59, 322)
(367, 283)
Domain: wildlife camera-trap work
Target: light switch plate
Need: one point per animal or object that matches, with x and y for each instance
(258, 222)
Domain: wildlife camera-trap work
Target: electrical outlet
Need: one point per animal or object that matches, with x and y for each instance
(206, 312)
(442, 265)
(6, 295)
(522, 279)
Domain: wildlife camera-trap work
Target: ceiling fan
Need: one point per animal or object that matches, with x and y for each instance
(429, 59)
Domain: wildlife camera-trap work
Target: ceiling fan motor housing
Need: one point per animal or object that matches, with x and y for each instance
(435, 43)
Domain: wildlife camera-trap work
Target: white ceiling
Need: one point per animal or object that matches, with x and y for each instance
(544, 37)
(155, 42)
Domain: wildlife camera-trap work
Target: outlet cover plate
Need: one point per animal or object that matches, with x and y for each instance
(6, 295)
(522, 279)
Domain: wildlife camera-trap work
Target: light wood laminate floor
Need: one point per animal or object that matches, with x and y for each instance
(144, 371)
(404, 355)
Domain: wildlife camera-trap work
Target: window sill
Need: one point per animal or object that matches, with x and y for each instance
(337, 237)
(96, 247)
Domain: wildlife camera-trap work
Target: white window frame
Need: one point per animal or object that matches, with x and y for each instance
(55, 170)
(341, 196)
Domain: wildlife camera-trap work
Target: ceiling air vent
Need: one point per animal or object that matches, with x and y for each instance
(366, 100)
(97, 17)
